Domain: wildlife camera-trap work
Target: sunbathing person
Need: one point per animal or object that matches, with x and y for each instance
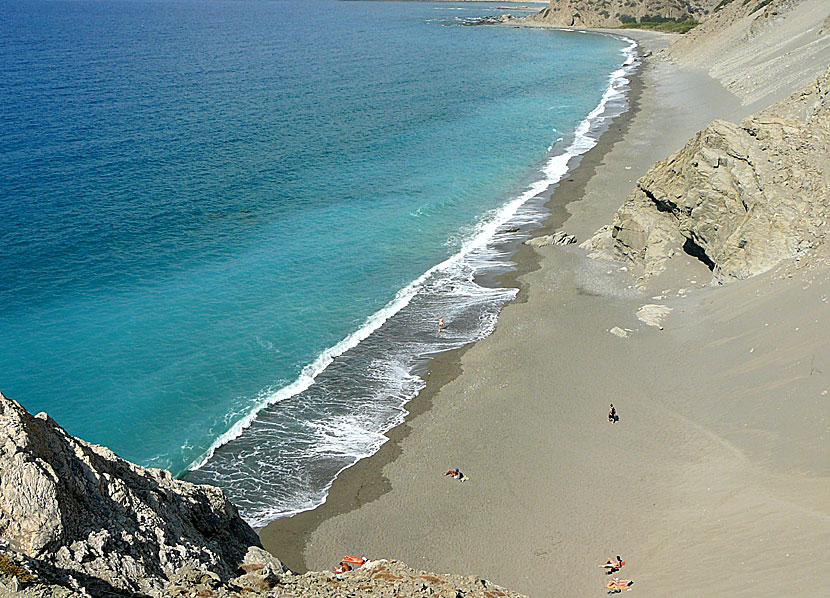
(618, 584)
(613, 565)
(456, 474)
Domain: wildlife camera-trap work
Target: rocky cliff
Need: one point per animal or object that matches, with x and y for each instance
(101, 522)
(77, 520)
(613, 13)
(741, 198)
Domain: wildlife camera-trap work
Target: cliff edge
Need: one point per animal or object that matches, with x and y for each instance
(101, 522)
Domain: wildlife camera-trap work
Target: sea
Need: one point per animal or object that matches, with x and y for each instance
(229, 229)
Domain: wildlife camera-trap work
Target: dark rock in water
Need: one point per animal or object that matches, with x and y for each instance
(93, 518)
(500, 20)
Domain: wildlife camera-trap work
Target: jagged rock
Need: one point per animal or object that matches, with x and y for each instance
(499, 20)
(188, 580)
(387, 579)
(558, 238)
(262, 570)
(83, 512)
(601, 245)
(81, 522)
(741, 198)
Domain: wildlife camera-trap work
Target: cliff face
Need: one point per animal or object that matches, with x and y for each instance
(103, 521)
(610, 13)
(760, 50)
(739, 197)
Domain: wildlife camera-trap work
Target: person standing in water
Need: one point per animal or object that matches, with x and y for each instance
(440, 324)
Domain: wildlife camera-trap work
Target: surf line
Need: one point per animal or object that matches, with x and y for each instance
(555, 169)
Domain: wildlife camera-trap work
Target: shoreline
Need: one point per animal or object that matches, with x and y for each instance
(711, 472)
(363, 482)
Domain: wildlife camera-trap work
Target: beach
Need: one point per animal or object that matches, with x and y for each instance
(710, 483)
(418, 308)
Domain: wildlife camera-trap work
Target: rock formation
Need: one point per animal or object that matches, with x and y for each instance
(558, 238)
(100, 522)
(613, 13)
(379, 579)
(741, 198)
(503, 19)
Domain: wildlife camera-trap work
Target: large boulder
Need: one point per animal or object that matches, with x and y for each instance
(102, 522)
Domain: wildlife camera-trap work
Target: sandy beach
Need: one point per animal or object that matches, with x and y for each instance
(715, 480)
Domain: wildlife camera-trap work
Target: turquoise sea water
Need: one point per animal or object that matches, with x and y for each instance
(204, 203)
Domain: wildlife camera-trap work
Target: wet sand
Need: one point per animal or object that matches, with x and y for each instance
(710, 483)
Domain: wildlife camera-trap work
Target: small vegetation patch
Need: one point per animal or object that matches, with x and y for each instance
(10, 569)
(657, 23)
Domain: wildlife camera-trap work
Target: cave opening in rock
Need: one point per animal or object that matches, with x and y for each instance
(696, 251)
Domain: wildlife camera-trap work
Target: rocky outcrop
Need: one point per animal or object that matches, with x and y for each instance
(379, 579)
(503, 19)
(91, 519)
(741, 198)
(613, 13)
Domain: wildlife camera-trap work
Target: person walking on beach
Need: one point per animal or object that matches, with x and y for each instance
(612, 414)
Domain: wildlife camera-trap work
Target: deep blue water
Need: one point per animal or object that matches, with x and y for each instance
(198, 199)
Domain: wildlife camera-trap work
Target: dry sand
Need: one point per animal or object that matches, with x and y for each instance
(713, 483)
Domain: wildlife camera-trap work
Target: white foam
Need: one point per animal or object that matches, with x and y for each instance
(484, 232)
